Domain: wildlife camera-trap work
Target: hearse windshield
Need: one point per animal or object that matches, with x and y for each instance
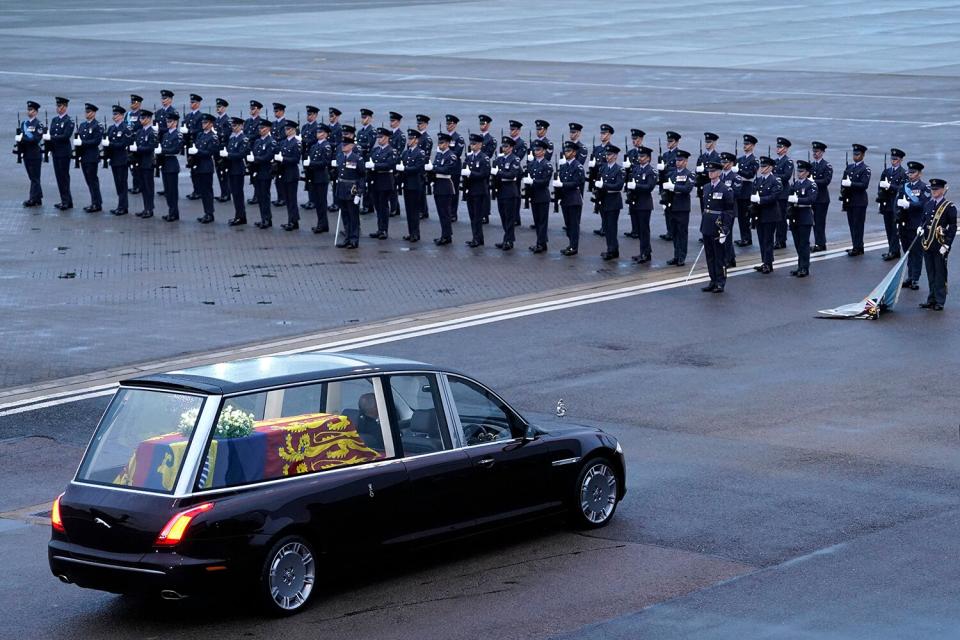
(141, 441)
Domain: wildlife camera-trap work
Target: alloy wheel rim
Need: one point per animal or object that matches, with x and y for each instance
(292, 575)
(598, 493)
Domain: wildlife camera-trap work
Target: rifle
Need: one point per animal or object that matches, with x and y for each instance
(16, 145)
(883, 194)
(556, 190)
(660, 172)
(46, 143)
(105, 150)
(76, 147)
(157, 162)
(527, 188)
(593, 171)
(844, 195)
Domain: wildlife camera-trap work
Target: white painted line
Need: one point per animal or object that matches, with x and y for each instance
(486, 101)
(396, 335)
(941, 124)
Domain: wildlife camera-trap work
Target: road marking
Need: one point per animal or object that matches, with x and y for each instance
(941, 124)
(486, 101)
(442, 326)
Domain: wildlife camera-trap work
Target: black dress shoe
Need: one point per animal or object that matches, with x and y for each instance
(473, 244)
(66, 207)
(630, 234)
(308, 205)
(169, 218)
(252, 201)
(718, 289)
(453, 218)
(780, 245)
(441, 241)
(94, 209)
(666, 236)
(205, 219)
(568, 251)
(394, 214)
(114, 211)
(709, 288)
(31, 203)
(58, 205)
(598, 232)
(161, 193)
(758, 267)
(88, 207)
(890, 256)
(290, 226)
(382, 235)
(353, 245)
(484, 220)
(264, 225)
(854, 252)
(817, 248)
(610, 255)
(913, 285)
(343, 244)
(333, 208)
(193, 196)
(424, 216)
(414, 238)
(803, 273)
(795, 272)
(507, 246)
(938, 307)
(276, 203)
(533, 226)
(731, 264)
(135, 191)
(766, 269)
(119, 212)
(236, 222)
(538, 248)
(323, 229)
(517, 223)
(927, 305)
(147, 214)
(223, 199)
(673, 262)
(742, 243)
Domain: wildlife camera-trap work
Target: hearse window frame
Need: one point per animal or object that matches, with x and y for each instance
(376, 378)
(202, 418)
(440, 394)
(454, 415)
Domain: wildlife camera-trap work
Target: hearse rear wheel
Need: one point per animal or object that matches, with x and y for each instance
(288, 576)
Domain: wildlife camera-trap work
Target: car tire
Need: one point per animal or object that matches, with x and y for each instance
(595, 494)
(288, 576)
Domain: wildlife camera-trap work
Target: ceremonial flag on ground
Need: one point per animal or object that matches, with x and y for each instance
(883, 297)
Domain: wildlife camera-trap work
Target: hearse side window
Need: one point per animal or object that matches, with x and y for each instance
(141, 440)
(296, 430)
(483, 418)
(417, 407)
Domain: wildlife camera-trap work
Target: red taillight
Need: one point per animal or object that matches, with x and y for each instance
(173, 532)
(55, 520)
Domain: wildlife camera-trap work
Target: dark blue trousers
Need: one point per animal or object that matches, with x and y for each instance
(33, 174)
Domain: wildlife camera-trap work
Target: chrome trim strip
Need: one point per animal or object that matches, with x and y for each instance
(565, 461)
(104, 565)
(197, 447)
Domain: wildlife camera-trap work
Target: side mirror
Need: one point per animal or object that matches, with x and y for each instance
(530, 433)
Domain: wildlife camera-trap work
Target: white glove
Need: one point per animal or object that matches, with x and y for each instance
(400, 167)
(465, 172)
(223, 153)
(592, 163)
(661, 166)
(943, 249)
(527, 180)
(368, 164)
(298, 139)
(845, 182)
(333, 163)
(156, 151)
(76, 141)
(278, 157)
(105, 142)
(735, 168)
(632, 185)
(183, 129)
(562, 161)
(556, 183)
(755, 198)
(306, 162)
(626, 163)
(46, 137)
(428, 166)
(598, 184)
(156, 127)
(699, 168)
(356, 199)
(722, 238)
(919, 231)
(903, 203)
(18, 137)
(884, 184)
(494, 170)
(192, 151)
(793, 198)
(669, 185)
(133, 147)
(529, 156)
(250, 157)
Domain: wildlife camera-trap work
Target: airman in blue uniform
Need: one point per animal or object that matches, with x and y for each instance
(260, 161)
(516, 134)
(350, 186)
(119, 138)
(607, 191)
(223, 128)
(937, 233)
(803, 195)
(732, 180)
(716, 223)
(855, 182)
(318, 167)
(889, 188)
(457, 145)
(681, 183)
(489, 147)
(575, 130)
(746, 167)
(289, 173)
(784, 172)
(822, 173)
(666, 164)
(598, 156)
(91, 135)
(629, 160)
(506, 172)
(411, 164)
(538, 178)
(911, 202)
(60, 138)
(29, 136)
(641, 182)
(191, 124)
(397, 142)
(475, 178)
(709, 154)
(543, 127)
(425, 145)
(766, 211)
(251, 129)
(569, 181)
(365, 139)
(133, 125)
(203, 150)
(144, 147)
(277, 131)
(380, 168)
(160, 120)
(171, 146)
(234, 153)
(445, 165)
(308, 138)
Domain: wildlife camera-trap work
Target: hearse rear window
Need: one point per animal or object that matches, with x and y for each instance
(141, 440)
(289, 432)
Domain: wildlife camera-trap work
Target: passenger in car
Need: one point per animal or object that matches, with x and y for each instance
(369, 422)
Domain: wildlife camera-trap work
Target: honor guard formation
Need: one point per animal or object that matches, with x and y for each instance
(350, 170)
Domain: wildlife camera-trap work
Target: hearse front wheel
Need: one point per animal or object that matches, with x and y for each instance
(288, 576)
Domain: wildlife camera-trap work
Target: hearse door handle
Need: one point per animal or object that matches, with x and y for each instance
(485, 462)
